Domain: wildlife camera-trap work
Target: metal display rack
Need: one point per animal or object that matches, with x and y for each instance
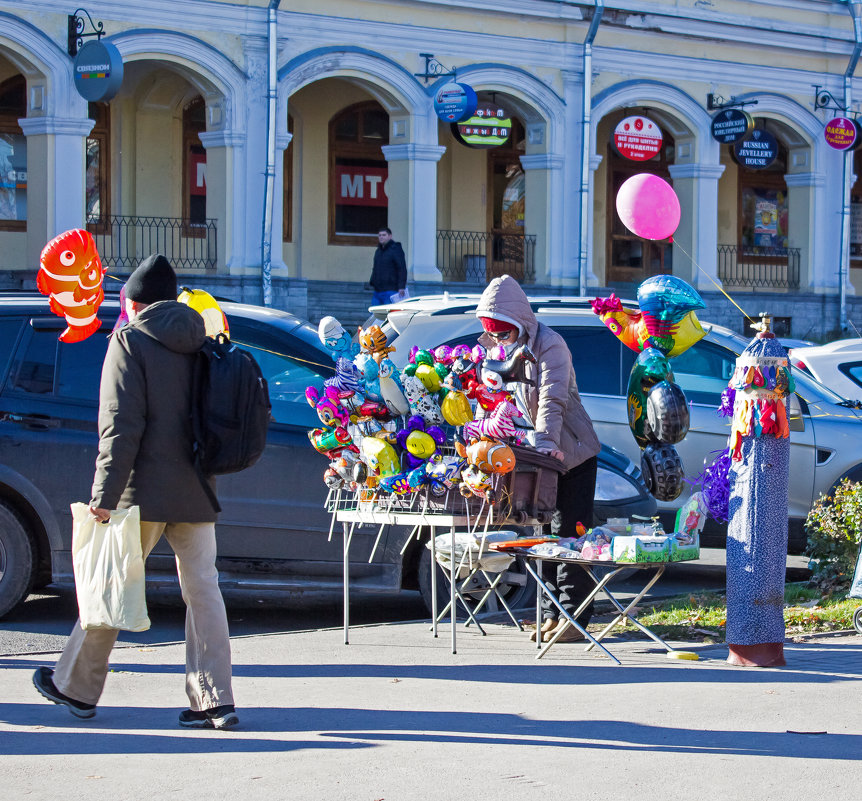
(449, 511)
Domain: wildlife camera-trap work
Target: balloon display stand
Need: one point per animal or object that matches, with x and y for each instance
(365, 507)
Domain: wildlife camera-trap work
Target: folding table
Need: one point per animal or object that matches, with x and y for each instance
(653, 570)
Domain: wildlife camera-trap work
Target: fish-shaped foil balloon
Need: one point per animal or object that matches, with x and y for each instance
(71, 273)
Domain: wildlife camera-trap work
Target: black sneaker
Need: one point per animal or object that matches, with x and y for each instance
(219, 717)
(44, 683)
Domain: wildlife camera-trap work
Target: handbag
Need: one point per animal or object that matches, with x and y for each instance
(109, 570)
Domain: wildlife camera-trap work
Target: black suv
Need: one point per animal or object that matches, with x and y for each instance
(273, 531)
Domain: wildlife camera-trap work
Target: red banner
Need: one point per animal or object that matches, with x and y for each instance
(198, 174)
(360, 186)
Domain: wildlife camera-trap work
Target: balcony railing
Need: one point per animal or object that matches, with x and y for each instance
(476, 257)
(123, 242)
(760, 267)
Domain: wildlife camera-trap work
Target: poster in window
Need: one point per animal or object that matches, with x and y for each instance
(198, 174)
(13, 177)
(360, 186)
(765, 217)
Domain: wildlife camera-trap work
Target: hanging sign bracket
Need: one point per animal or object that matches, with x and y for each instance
(434, 69)
(824, 99)
(716, 102)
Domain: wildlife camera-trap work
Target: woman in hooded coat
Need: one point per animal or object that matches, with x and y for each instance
(561, 428)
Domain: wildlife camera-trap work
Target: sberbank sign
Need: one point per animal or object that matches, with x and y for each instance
(98, 71)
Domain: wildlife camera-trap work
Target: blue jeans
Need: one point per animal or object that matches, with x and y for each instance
(379, 298)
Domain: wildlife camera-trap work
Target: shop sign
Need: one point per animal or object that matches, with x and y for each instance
(637, 138)
(98, 71)
(490, 126)
(198, 174)
(360, 186)
(730, 125)
(757, 151)
(842, 133)
(454, 102)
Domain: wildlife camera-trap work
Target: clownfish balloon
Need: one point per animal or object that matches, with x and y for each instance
(71, 273)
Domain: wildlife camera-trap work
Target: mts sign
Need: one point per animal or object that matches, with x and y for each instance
(360, 186)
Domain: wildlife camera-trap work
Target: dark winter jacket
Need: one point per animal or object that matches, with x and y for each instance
(554, 405)
(145, 435)
(390, 268)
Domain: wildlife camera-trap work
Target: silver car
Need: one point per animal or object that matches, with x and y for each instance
(826, 430)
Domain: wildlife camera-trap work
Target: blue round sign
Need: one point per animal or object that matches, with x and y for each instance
(98, 71)
(454, 102)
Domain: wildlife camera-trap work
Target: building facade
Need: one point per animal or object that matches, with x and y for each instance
(260, 145)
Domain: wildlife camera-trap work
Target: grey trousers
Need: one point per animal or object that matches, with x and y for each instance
(81, 670)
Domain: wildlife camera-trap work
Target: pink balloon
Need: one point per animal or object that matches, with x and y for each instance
(648, 206)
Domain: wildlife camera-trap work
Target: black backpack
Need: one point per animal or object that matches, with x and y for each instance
(230, 411)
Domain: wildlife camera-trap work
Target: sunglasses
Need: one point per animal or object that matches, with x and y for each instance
(499, 336)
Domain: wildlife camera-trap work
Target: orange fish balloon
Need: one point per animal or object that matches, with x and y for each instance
(70, 273)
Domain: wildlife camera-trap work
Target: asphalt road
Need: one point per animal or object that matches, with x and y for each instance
(43, 622)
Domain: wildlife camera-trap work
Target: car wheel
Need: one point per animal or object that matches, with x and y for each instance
(16, 561)
(662, 471)
(517, 587)
(857, 620)
(667, 412)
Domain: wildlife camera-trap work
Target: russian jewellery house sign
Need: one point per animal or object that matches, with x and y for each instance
(757, 151)
(98, 71)
(730, 125)
(454, 102)
(842, 133)
(637, 138)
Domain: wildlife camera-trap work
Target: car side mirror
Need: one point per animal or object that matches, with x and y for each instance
(795, 419)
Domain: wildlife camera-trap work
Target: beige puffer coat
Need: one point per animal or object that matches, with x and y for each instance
(561, 422)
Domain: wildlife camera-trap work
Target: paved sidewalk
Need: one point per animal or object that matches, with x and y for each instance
(396, 716)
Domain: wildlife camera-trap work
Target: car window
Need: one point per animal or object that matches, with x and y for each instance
(602, 362)
(594, 352)
(288, 369)
(79, 367)
(45, 366)
(33, 370)
(8, 335)
(853, 371)
(703, 371)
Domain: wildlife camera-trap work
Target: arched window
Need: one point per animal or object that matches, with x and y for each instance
(763, 216)
(99, 169)
(287, 198)
(358, 206)
(13, 155)
(194, 164)
(631, 259)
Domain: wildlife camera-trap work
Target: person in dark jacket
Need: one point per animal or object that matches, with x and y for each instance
(389, 275)
(145, 459)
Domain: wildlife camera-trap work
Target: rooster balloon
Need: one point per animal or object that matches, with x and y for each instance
(71, 273)
(663, 326)
(665, 318)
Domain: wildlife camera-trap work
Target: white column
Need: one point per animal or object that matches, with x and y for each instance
(543, 212)
(56, 178)
(696, 239)
(224, 194)
(282, 141)
(802, 227)
(412, 192)
(565, 273)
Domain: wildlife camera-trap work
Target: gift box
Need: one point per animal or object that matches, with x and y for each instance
(681, 551)
(626, 548)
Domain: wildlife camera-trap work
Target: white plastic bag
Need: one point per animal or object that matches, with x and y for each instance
(109, 570)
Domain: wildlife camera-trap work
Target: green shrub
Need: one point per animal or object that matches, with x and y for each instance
(834, 528)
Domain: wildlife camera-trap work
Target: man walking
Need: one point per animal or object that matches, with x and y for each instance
(389, 275)
(145, 459)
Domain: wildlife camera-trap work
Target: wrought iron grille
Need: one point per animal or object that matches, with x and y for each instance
(763, 267)
(124, 242)
(476, 257)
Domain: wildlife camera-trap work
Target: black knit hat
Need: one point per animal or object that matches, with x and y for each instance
(153, 280)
